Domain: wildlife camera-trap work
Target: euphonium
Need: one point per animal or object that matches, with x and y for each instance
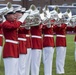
(56, 15)
(45, 16)
(73, 20)
(34, 18)
(67, 16)
(5, 9)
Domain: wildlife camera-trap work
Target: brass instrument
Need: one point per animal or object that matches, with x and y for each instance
(56, 15)
(17, 9)
(4, 10)
(63, 17)
(45, 16)
(73, 20)
(33, 18)
(67, 16)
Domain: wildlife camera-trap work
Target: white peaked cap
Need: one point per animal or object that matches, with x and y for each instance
(18, 9)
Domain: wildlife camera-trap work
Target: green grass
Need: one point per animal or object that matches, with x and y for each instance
(70, 64)
(1, 68)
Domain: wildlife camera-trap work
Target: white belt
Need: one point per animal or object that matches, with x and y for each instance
(22, 39)
(34, 36)
(12, 41)
(48, 36)
(60, 35)
(1, 35)
(27, 35)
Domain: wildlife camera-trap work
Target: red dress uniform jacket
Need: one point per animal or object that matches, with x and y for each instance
(60, 35)
(11, 39)
(22, 40)
(28, 37)
(69, 28)
(48, 38)
(1, 35)
(36, 37)
(75, 32)
(75, 39)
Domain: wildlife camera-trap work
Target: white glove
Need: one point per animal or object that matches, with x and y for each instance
(24, 16)
(4, 19)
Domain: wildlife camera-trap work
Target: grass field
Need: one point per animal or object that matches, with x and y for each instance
(70, 64)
